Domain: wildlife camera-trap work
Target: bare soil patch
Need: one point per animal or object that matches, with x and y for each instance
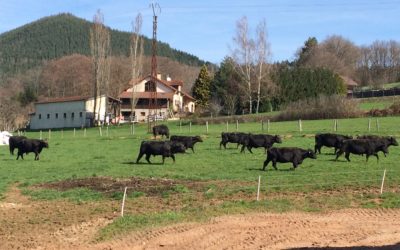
(28, 224)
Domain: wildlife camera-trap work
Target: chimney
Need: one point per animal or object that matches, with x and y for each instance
(159, 76)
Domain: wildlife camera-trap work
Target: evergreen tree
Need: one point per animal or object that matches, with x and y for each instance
(201, 88)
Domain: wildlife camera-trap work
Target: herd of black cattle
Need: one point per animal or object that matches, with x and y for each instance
(367, 144)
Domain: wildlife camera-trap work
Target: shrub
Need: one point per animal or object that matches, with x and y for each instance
(322, 107)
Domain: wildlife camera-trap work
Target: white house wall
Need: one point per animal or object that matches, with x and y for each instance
(60, 108)
(101, 106)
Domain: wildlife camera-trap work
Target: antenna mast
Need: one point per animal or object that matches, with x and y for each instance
(153, 85)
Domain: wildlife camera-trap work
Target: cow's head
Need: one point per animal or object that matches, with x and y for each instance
(277, 139)
(346, 137)
(178, 147)
(198, 139)
(44, 144)
(393, 141)
(311, 154)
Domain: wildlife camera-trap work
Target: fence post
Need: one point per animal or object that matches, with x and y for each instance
(123, 202)
(190, 126)
(335, 125)
(268, 125)
(84, 132)
(383, 180)
(180, 126)
(258, 188)
(369, 124)
(101, 134)
(300, 126)
(262, 125)
(227, 126)
(62, 133)
(237, 125)
(49, 134)
(74, 132)
(107, 131)
(40, 135)
(206, 127)
(377, 124)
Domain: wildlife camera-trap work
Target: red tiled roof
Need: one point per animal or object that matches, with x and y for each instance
(64, 99)
(187, 95)
(146, 95)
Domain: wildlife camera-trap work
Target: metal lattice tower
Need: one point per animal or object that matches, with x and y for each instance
(153, 84)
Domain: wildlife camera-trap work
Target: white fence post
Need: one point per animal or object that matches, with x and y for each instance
(190, 126)
(377, 124)
(227, 126)
(237, 125)
(49, 134)
(101, 133)
(383, 180)
(40, 136)
(258, 188)
(369, 124)
(74, 132)
(207, 127)
(180, 126)
(262, 125)
(300, 126)
(123, 202)
(84, 132)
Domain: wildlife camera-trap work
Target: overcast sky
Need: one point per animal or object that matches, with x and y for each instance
(205, 28)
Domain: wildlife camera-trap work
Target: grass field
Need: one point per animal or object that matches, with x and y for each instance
(210, 181)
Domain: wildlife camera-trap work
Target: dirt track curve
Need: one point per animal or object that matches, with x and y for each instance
(345, 228)
(25, 224)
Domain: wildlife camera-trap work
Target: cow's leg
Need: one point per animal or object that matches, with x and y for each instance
(242, 150)
(266, 163)
(377, 157)
(173, 157)
(192, 149)
(139, 157)
(339, 153)
(249, 148)
(148, 158)
(163, 159)
(274, 164)
(294, 165)
(347, 156)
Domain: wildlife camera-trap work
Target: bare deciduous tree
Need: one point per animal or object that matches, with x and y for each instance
(100, 50)
(243, 57)
(262, 52)
(136, 56)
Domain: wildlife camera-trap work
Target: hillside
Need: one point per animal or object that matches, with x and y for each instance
(56, 36)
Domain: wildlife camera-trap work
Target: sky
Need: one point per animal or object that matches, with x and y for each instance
(206, 28)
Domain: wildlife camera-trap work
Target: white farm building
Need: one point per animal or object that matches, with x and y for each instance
(73, 112)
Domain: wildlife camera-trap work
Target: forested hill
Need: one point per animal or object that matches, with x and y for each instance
(64, 34)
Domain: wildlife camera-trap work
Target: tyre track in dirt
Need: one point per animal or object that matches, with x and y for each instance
(349, 227)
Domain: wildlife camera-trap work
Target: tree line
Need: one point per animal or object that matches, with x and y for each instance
(247, 81)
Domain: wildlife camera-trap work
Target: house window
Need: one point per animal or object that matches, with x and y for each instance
(80, 114)
(56, 115)
(143, 113)
(48, 116)
(72, 115)
(149, 86)
(65, 115)
(40, 116)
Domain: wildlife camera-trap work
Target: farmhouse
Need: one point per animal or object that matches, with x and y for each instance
(170, 99)
(73, 112)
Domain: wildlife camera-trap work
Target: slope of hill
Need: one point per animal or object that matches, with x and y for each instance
(64, 34)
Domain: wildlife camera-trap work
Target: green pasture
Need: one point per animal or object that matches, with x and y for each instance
(74, 155)
(79, 154)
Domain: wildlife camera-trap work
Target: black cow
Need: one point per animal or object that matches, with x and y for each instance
(293, 155)
(187, 141)
(13, 142)
(388, 140)
(31, 145)
(329, 140)
(260, 141)
(234, 137)
(164, 148)
(361, 147)
(161, 130)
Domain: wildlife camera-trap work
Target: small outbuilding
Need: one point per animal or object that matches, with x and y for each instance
(74, 112)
